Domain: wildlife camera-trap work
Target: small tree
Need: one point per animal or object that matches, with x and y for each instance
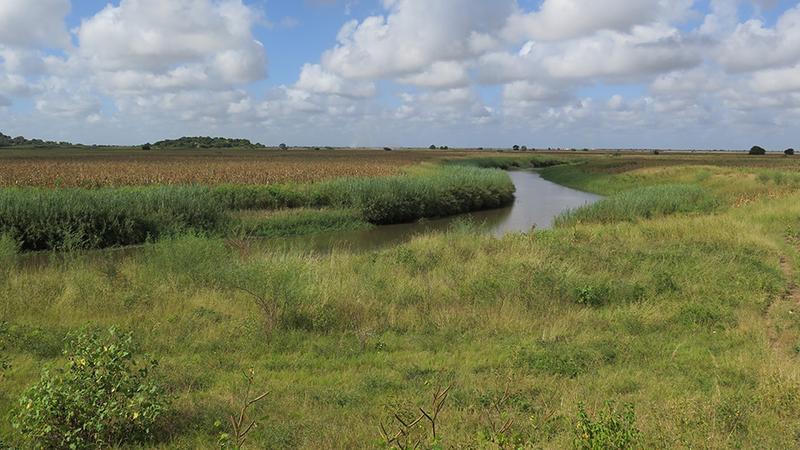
(516, 148)
(283, 147)
(388, 149)
(432, 147)
(789, 152)
(102, 398)
(524, 148)
(758, 151)
(147, 146)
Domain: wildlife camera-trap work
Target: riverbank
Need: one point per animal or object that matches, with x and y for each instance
(685, 314)
(75, 218)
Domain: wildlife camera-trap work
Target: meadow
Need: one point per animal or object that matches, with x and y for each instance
(666, 315)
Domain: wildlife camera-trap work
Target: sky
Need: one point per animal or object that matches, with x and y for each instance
(684, 74)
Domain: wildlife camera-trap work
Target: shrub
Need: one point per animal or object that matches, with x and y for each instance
(432, 147)
(387, 149)
(759, 151)
(789, 152)
(612, 430)
(147, 146)
(102, 398)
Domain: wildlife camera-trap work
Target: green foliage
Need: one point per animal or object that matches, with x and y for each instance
(4, 362)
(293, 222)
(643, 203)
(611, 430)
(8, 141)
(8, 251)
(758, 151)
(789, 152)
(66, 219)
(103, 397)
(206, 142)
(508, 162)
(593, 295)
(448, 191)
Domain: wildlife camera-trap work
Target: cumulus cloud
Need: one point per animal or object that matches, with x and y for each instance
(33, 24)
(564, 19)
(414, 35)
(151, 44)
(315, 79)
(753, 45)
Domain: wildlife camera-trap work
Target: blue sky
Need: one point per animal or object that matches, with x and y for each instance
(553, 73)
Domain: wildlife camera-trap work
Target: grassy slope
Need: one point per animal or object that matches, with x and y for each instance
(691, 323)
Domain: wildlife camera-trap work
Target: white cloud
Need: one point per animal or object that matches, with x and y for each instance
(34, 23)
(777, 80)
(315, 79)
(565, 19)
(754, 46)
(441, 74)
(152, 44)
(414, 35)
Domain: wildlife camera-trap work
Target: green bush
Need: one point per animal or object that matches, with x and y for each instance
(789, 152)
(612, 430)
(104, 397)
(643, 203)
(758, 151)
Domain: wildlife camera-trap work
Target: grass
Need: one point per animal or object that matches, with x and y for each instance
(643, 203)
(683, 316)
(300, 221)
(74, 218)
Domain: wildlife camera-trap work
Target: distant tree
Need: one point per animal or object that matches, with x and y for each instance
(758, 151)
(516, 148)
(789, 152)
(432, 147)
(656, 152)
(147, 146)
(388, 149)
(282, 147)
(524, 148)
(444, 147)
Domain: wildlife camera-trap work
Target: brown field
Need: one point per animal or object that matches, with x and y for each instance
(91, 167)
(128, 167)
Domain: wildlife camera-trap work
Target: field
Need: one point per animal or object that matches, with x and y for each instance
(665, 316)
(104, 167)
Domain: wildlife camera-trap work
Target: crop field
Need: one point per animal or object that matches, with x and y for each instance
(666, 315)
(94, 168)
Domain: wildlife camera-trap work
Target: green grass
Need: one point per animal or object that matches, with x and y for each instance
(643, 203)
(41, 219)
(683, 316)
(300, 221)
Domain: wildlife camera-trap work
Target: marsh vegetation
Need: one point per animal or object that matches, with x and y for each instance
(665, 315)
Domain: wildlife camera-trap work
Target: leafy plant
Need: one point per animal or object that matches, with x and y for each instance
(611, 430)
(102, 397)
(758, 151)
